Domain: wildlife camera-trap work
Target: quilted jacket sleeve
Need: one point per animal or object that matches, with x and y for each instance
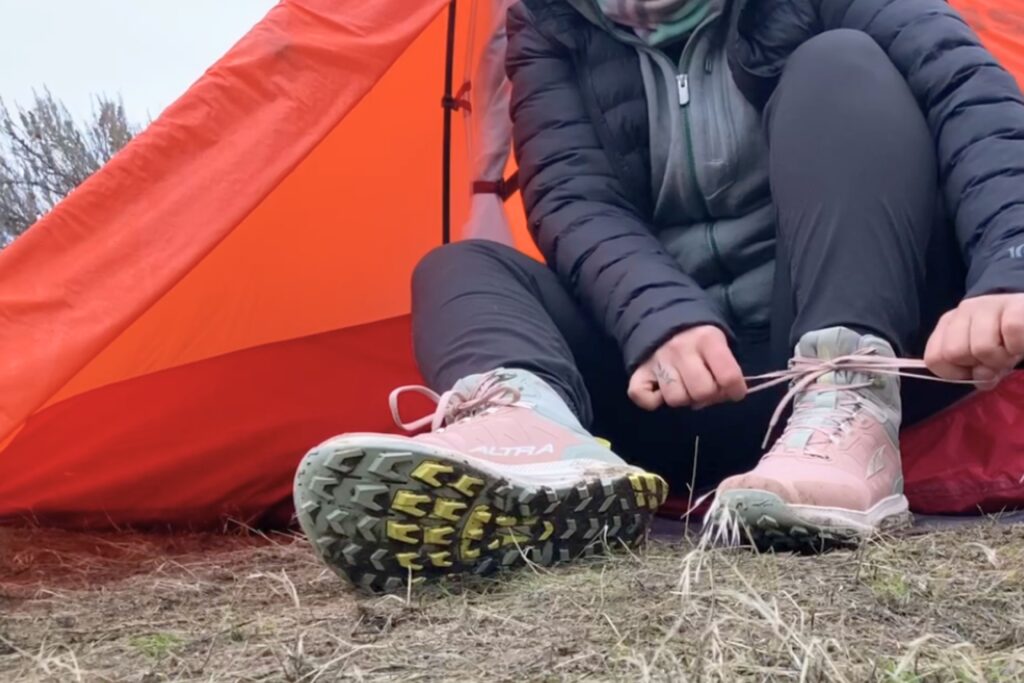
(976, 112)
(582, 221)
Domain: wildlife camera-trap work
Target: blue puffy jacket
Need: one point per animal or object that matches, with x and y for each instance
(580, 127)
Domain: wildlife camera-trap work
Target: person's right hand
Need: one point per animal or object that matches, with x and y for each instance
(695, 368)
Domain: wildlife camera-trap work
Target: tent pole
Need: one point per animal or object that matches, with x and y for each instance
(446, 153)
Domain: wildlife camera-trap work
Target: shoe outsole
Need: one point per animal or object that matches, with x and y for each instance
(382, 518)
(769, 524)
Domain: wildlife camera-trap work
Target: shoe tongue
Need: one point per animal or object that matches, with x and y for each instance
(813, 411)
(514, 379)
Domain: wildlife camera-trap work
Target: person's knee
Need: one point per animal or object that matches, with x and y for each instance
(454, 258)
(845, 58)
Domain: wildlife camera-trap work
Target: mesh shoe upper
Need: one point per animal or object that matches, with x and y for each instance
(506, 417)
(840, 447)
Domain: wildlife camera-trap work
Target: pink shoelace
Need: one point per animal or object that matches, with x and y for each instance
(803, 373)
(453, 406)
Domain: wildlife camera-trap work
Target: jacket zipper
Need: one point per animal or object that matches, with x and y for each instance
(683, 81)
(683, 87)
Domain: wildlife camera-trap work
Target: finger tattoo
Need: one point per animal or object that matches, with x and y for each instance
(664, 375)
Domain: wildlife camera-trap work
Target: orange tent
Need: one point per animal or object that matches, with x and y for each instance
(233, 287)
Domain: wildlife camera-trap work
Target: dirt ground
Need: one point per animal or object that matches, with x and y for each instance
(944, 605)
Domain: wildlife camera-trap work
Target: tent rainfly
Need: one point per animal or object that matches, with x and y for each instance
(232, 288)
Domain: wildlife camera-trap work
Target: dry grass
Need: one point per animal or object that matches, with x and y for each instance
(943, 606)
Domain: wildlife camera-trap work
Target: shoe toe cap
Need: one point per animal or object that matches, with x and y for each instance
(753, 481)
(816, 493)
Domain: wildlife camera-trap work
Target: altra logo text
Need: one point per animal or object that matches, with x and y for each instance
(514, 451)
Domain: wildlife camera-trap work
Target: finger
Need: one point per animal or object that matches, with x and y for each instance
(673, 389)
(933, 349)
(934, 356)
(645, 395)
(1012, 326)
(956, 342)
(951, 371)
(643, 389)
(986, 340)
(700, 384)
(987, 378)
(726, 371)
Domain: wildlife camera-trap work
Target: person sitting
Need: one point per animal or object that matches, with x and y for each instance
(720, 190)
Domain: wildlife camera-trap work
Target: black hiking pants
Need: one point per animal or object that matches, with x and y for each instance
(862, 243)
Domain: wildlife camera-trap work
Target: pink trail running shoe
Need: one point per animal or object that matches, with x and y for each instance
(507, 474)
(834, 476)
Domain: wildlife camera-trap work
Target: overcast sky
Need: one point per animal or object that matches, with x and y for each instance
(148, 51)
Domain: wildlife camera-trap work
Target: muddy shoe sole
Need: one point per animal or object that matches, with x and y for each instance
(382, 517)
(769, 524)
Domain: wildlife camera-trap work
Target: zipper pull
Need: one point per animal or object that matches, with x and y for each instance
(683, 81)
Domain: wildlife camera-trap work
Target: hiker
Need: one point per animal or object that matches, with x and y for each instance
(721, 191)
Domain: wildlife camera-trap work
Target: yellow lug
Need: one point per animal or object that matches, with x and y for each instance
(505, 520)
(409, 502)
(402, 532)
(549, 529)
(438, 535)
(661, 491)
(514, 539)
(465, 485)
(428, 470)
(441, 559)
(448, 509)
(408, 560)
(482, 514)
(494, 545)
(468, 552)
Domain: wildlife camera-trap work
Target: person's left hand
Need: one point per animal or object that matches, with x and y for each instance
(981, 339)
